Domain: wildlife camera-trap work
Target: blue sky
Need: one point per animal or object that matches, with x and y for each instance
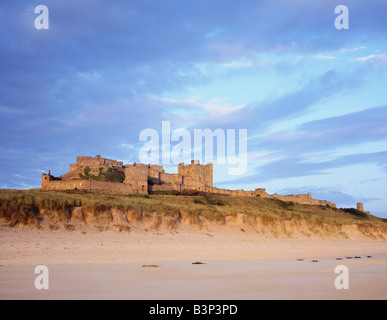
(313, 98)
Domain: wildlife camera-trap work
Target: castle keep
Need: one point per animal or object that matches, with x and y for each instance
(110, 176)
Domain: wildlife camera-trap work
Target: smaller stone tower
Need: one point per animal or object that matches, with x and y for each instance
(46, 178)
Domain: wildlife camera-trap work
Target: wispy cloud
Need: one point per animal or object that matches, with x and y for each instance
(325, 57)
(214, 107)
(345, 50)
(295, 103)
(379, 58)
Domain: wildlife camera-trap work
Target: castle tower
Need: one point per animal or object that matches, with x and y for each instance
(209, 174)
(137, 176)
(46, 181)
(360, 206)
(199, 175)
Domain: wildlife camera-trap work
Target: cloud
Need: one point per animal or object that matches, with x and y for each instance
(317, 147)
(295, 167)
(376, 58)
(295, 103)
(332, 133)
(105, 71)
(214, 107)
(346, 50)
(325, 57)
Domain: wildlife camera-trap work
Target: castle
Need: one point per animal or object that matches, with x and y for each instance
(110, 176)
(136, 178)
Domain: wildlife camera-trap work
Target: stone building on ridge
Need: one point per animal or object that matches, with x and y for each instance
(98, 174)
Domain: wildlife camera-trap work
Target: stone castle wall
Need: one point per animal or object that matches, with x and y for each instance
(69, 185)
(91, 185)
(142, 179)
(98, 161)
(94, 162)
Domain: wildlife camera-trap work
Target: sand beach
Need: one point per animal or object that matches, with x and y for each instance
(108, 265)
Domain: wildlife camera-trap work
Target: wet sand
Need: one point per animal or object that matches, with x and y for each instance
(237, 266)
(219, 280)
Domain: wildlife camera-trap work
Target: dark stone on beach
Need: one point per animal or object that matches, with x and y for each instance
(198, 262)
(300, 259)
(349, 257)
(339, 258)
(357, 257)
(369, 257)
(314, 260)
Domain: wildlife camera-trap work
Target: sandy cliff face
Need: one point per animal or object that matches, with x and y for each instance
(112, 219)
(256, 217)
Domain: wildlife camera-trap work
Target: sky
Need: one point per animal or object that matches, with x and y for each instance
(312, 98)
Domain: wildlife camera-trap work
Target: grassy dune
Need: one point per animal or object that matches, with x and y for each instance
(72, 210)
